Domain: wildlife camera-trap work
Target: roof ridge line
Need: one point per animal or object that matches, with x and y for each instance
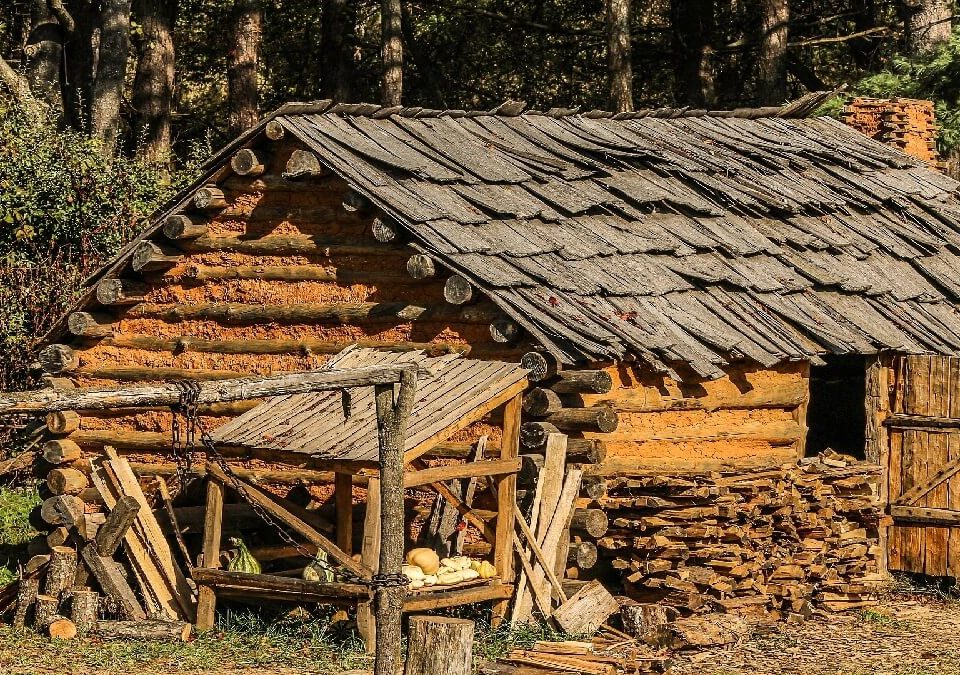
(799, 108)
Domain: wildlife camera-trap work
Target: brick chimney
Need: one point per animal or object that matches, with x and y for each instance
(904, 123)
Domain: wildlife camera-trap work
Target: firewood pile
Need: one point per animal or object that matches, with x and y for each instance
(781, 541)
(95, 516)
(907, 124)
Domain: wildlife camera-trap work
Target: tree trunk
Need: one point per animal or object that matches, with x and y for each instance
(772, 55)
(391, 29)
(692, 30)
(927, 25)
(618, 55)
(44, 53)
(79, 66)
(243, 64)
(111, 72)
(863, 50)
(338, 28)
(153, 84)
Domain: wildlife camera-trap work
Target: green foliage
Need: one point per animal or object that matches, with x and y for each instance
(15, 528)
(935, 77)
(64, 210)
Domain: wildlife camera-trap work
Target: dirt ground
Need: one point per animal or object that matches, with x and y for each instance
(898, 638)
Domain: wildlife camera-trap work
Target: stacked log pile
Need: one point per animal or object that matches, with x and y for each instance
(781, 541)
(907, 124)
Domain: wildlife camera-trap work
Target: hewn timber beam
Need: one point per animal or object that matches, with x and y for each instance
(286, 245)
(273, 346)
(921, 515)
(451, 472)
(236, 313)
(48, 400)
(195, 272)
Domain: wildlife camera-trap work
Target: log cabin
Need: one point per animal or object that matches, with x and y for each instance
(706, 301)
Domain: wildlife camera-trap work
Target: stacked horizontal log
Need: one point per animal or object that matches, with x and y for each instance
(782, 541)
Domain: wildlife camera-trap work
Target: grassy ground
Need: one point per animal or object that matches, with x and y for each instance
(244, 643)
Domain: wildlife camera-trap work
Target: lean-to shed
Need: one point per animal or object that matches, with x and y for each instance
(695, 290)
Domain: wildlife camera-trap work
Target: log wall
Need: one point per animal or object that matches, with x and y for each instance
(281, 277)
(753, 417)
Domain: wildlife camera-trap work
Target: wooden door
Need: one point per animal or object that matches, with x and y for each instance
(924, 470)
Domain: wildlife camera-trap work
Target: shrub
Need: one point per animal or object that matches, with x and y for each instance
(65, 209)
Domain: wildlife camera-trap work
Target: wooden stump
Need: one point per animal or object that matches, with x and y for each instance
(84, 606)
(45, 612)
(643, 620)
(61, 571)
(62, 629)
(439, 646)
(26, 597)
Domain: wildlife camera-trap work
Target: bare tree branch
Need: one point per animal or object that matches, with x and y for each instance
(63, 16)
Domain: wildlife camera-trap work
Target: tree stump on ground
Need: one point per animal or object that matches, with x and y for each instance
(84, 610)
(440, 646)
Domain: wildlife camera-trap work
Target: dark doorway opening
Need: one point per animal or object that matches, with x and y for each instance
(836, 414)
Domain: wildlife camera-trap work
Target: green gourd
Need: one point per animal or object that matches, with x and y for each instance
(244, 562)
(319, 569)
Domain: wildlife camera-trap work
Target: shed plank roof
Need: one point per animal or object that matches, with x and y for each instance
(342, 426)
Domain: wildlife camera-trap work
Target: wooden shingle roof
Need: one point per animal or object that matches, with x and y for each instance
(452, 392)
(698, 238)
(691, 236)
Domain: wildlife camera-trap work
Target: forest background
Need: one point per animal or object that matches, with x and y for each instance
(107, 106)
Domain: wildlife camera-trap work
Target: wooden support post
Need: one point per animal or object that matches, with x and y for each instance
(212, 530)
(392, 415)
(506, 502)
(370, 557)
(343, 496)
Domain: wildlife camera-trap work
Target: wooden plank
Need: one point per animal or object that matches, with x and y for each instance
(154, 536)
(212, 534)
(953, 483)
(291, 520)
(370, 557)
(343, 496)
(457, 471)
(549, 484)
(107, 573)
(157, 593)
(506, 486)
(925, 515)
(424, 602)
(297, 589)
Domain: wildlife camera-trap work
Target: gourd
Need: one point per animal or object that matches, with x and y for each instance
(319, 569)
(412, 572)
(483, 568)
(450, 577)
(424, 558)
(244, 561)
(460, 562)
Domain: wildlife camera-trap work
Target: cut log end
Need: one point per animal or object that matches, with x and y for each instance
(274, 130)
(458, 290)
(57, 358)
(209, 199)
(179, 226)
(540, 402)
(148, 257)
(583, 382)
(121, 291)
(385, 230)
(62, 510)
(303, 164)
(61, 451)
(420, 266)
(534, 434)
(85, 324)
(354, 202)
(246, 163)
(542, 365)
(504, 330)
